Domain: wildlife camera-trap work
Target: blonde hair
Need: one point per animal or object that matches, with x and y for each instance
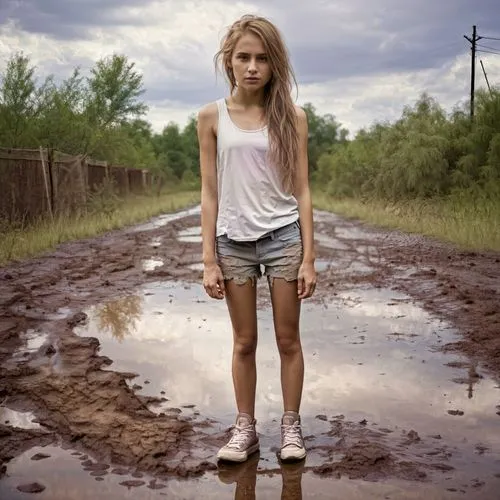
(280, 114)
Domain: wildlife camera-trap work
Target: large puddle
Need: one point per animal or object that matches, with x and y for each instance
(63, 478)
(370, 356)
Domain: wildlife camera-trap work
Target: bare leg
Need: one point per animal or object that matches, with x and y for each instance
(286, 315)
(241, 301)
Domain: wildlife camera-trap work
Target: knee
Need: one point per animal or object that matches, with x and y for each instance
(245, 345)
(288, 344)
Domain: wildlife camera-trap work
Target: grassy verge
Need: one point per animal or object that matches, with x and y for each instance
(21, 242)
(468, 224)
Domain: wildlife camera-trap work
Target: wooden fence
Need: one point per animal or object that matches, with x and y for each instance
(35, 182)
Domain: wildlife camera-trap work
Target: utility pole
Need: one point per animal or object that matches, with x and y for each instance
(473, 42)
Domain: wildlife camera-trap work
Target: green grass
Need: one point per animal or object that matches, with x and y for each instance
(468, 224)
(18, 242)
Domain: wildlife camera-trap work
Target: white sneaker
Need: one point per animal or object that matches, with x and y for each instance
(243, 442)
(292, 442)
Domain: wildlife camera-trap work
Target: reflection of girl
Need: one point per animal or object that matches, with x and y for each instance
(256, 210)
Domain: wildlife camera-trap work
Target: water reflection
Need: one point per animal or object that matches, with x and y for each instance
(190, 234)
(119, 317)
(64, 477)
(245, 477)
(21, 420)
(163, 220)
(151, 264)
(472, 379)
(369, 355)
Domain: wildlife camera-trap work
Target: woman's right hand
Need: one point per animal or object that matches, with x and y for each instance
(213, 281)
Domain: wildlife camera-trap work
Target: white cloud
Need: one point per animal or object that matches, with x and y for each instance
(360, 61)
(359, 101)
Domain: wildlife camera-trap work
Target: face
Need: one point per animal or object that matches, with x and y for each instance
(250, 63)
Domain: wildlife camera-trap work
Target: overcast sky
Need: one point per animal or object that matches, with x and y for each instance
(361, 60)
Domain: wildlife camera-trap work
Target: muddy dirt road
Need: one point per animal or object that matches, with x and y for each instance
(115, 382)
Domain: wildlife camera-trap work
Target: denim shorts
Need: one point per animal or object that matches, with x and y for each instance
(279, 252)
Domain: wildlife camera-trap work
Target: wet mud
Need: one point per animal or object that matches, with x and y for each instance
(461, 286)
(119, 420)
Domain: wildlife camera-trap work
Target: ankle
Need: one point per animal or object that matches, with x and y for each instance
(290, 417)
(246, 416)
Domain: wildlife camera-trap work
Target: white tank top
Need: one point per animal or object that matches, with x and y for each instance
(251, 199)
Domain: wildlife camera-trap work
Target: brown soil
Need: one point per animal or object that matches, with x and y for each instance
(373, 454)
(94, 410)
(460, 286)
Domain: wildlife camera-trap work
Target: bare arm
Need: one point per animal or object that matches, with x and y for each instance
(212, 276)
(208, 172)
(302, 193)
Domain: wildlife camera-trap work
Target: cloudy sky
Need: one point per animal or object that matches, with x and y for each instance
(361, 60)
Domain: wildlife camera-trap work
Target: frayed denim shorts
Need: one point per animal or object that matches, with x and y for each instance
(279, 252)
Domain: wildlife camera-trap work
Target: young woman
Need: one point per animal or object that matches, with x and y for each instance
(256, 210)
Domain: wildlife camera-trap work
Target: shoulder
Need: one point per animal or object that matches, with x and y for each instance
(301, 118)
(208, 112)
(208, 116)
(301, 114)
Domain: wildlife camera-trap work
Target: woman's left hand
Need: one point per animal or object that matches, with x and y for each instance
(306, 280)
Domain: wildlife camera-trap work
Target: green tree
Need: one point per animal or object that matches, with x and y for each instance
(113, 98)
(171, 147)
(62, 123)
(191, 147)
(21, 101)
(324, 133)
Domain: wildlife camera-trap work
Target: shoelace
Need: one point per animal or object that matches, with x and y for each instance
(291, 435)
(240, 436)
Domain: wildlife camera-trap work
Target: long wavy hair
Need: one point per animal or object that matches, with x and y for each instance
(280, 113)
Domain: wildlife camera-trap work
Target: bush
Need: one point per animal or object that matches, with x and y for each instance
(424, 154)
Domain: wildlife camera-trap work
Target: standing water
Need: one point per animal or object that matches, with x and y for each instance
(371, 360)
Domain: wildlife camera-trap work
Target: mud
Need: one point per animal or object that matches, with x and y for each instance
(459, 285)
(83, 404)
(373, 454)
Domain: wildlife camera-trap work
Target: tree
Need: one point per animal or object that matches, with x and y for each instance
(20, 102)
(114, 91)
(323, 134)
(171, 146)
(62, 123)
(190, 145)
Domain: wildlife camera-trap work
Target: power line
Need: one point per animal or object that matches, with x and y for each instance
(487, 47)
(490, 38)
(479, 47)
(488, 52)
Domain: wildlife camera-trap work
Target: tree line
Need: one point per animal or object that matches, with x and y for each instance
(102, 115)
(425, 153)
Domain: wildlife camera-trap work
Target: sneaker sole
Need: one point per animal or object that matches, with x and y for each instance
(293, 458)
(241, 456)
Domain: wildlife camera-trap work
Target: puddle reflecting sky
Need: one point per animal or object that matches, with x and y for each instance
(151, 264)
(64, 478)
(190, 234)
(369, 355)
(22, 420)
(163, 220)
